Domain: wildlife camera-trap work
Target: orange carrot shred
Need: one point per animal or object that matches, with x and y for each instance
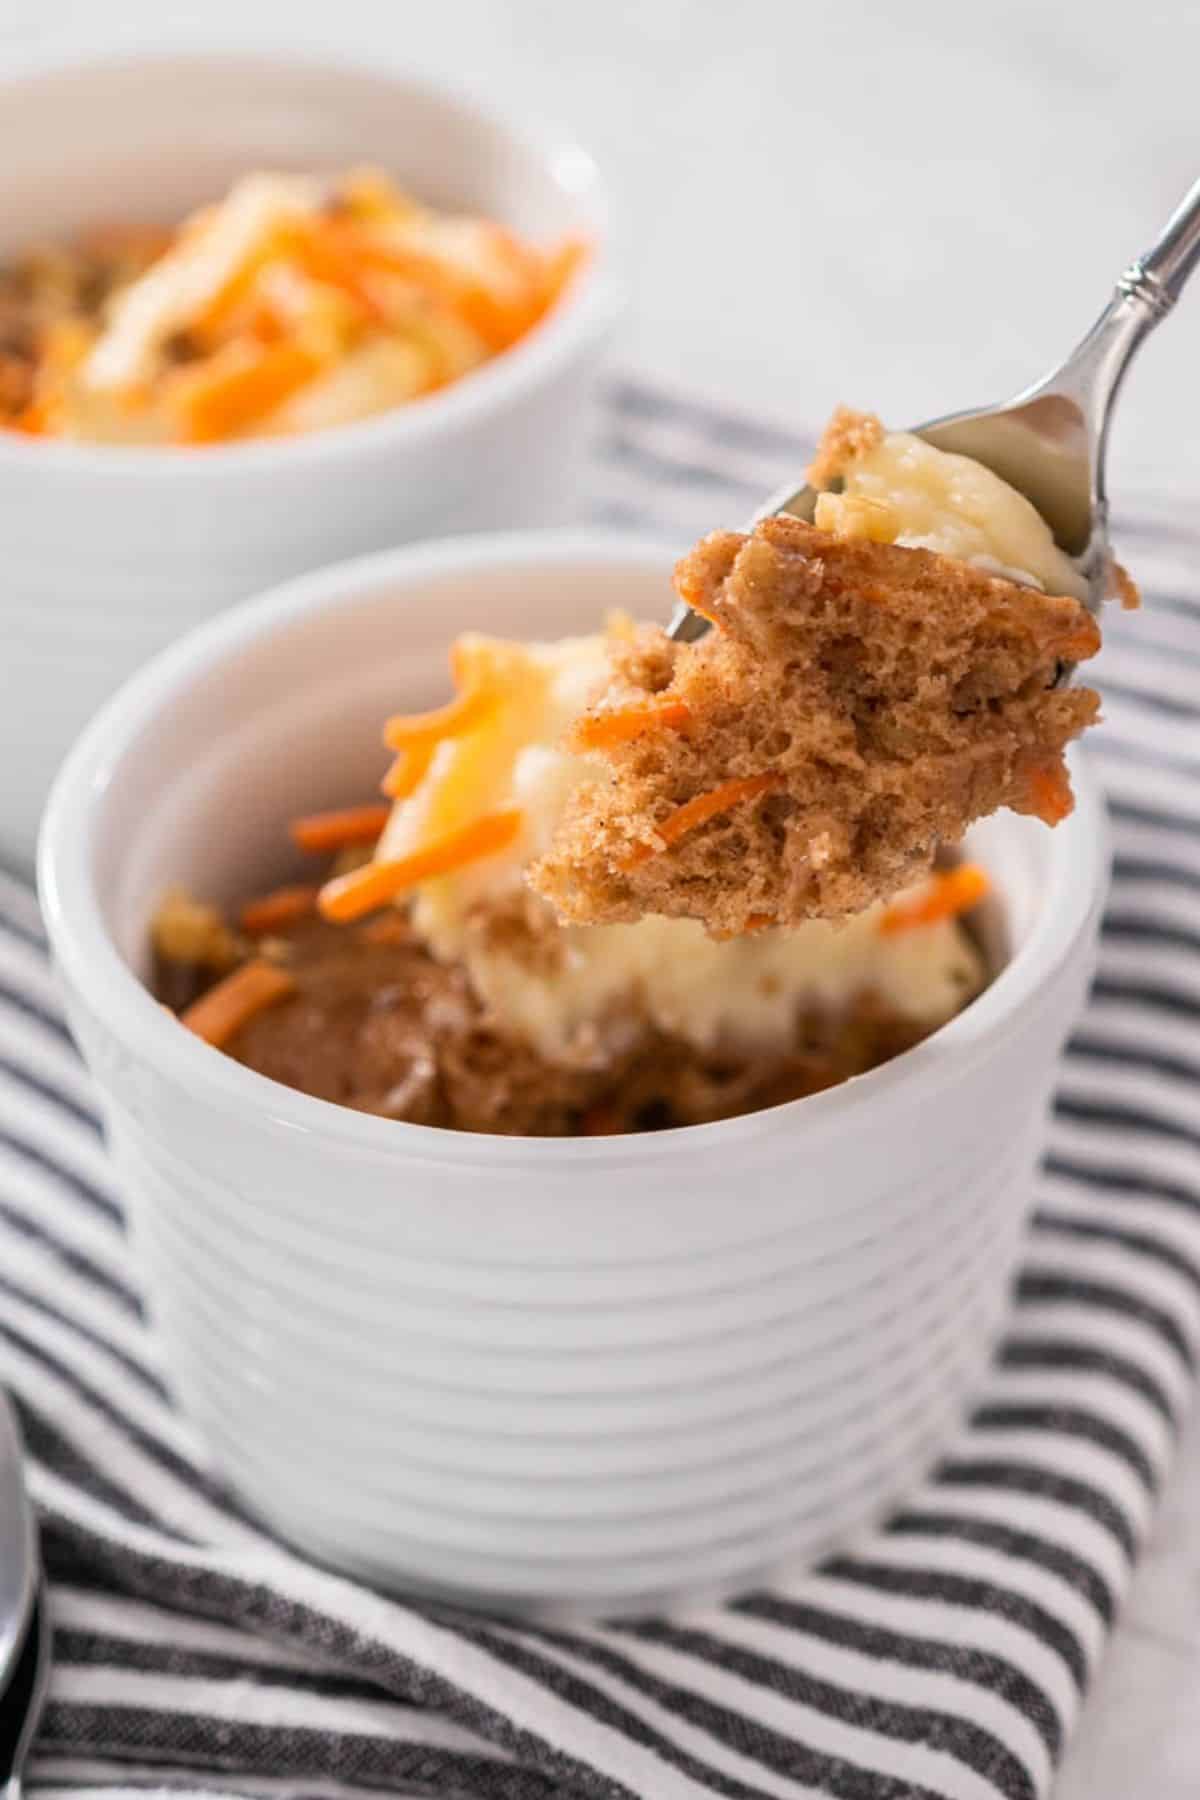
(218, 1015)
(949, 893)
(33, 420)
(1082, 640)
(389, 928)
(461, 664)
(602, 730)
(265, 324)
(410, 731)
(498, 321)
(208, 326)
(350, 896)
(753, 922)
(282, 906)
(692, 593)
(407, 772)
(341, 828)
(216, 404)
(704, 807)
(331, 252)
(1050, 796)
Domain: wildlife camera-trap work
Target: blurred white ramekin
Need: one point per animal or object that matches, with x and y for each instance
(533, 1374)
(111, 553)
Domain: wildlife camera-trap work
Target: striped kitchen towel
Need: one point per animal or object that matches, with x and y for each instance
(942, 1658)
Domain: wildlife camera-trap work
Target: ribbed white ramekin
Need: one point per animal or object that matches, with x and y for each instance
(531, 1374)
(110, 554)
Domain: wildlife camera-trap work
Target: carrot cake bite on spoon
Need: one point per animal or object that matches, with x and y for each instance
(873, 683)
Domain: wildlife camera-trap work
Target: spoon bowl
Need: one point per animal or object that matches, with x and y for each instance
(1049, 442)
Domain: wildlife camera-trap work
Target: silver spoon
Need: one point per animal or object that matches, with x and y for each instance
(22, 1701)
(18, 1544)
(24, 1614)
(1050, 441)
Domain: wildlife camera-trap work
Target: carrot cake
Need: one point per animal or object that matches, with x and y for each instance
(618, 884)
(872, 683)
(415, 975)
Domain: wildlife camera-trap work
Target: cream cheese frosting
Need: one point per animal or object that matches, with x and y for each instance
(904, 491)
(598, 982)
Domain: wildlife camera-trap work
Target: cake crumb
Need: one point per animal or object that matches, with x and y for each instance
(858, 705)
(848, 436)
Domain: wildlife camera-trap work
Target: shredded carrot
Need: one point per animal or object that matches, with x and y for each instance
(602, 730)
(345, 254)
(388, 928)
(759, 922)
(134, 399)
(949, 893)
(497, 319)
(33, 420)
(1126, 588)
(499, 322)
(265, 323)
(408, 772)
(1050, 796)
(333, 252)
(412, 731)
(217, 403)
(215, 318)
(1081, 641)
(282, 906)
(693, 594)
(696, 812)
(343, 826)
(220, 1014)
(753, 922)
(350, 896)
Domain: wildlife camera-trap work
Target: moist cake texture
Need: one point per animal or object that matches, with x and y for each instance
(856, 705)
(874, 682)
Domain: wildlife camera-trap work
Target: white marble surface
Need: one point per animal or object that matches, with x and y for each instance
(913, 207)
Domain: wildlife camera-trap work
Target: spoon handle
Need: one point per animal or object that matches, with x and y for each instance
(1160, 273)
(18, 1543)
(1091, 376)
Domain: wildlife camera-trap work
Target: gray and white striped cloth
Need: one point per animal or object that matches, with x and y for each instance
(943, 1658)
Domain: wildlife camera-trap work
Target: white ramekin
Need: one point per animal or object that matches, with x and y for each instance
(531, 1374)
(109, 553)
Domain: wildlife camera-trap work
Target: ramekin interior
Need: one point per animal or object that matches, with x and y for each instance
(190, 772)
(148, 137)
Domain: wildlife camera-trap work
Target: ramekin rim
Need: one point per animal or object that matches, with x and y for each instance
(582, 314)
(111, 990)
